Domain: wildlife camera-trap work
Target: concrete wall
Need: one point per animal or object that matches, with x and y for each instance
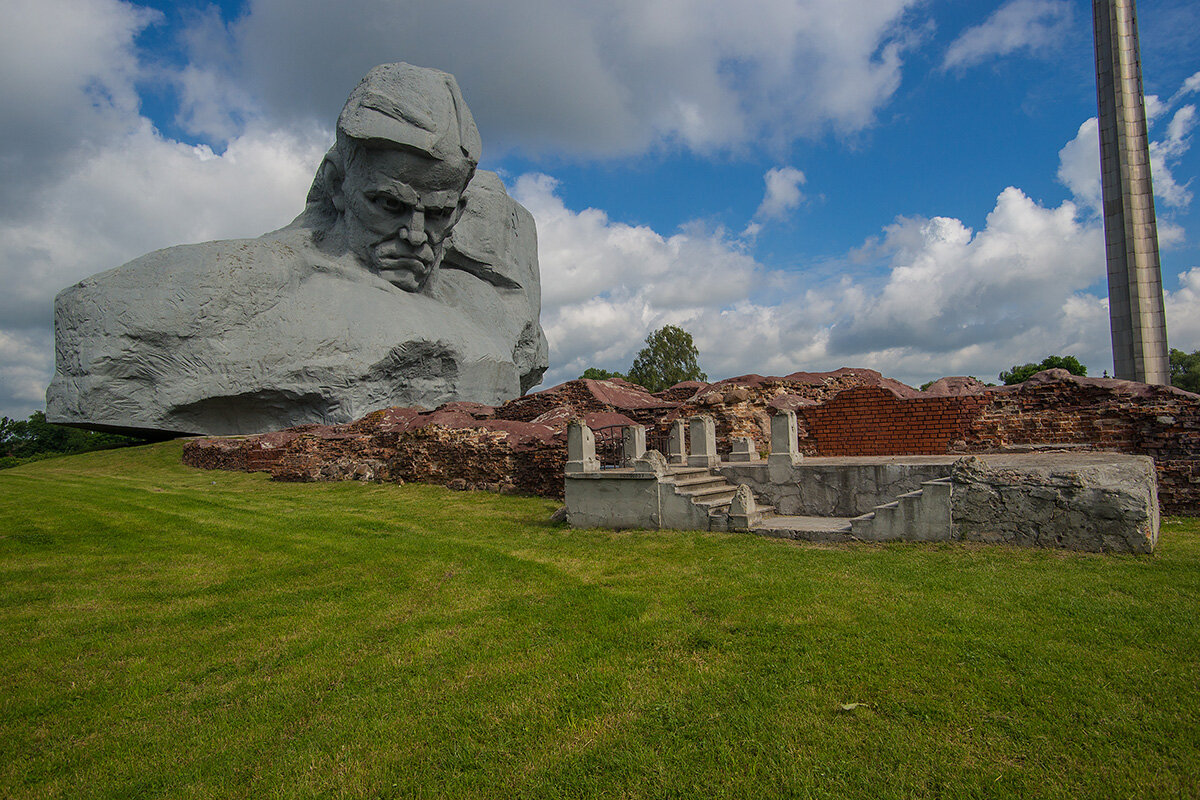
(621, 499)
(1094, 502)
(834, 487)
(613, 500)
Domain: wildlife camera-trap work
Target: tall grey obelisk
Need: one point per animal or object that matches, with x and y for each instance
(1135, 298)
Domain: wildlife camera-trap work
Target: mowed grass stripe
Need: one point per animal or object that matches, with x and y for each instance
(181, 633)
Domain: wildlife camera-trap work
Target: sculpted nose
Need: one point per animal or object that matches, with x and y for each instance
(412, 230)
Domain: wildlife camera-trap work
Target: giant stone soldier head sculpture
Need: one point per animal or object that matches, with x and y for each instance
(410, 278)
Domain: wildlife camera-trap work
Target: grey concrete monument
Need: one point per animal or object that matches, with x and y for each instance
(409, 279)
(1135, 298)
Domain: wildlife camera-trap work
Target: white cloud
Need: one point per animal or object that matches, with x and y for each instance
(87, 183)
(69, 70)
(783, 192)
(578, 76)
(949, 300)
(1190, 86)
(1183, 323)
(1167, 151)
(1033, 25)
(951, 288)
(26, 360)
(1079, 163)
(606, 285)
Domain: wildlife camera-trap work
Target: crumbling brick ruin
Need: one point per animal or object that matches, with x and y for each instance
(521, 446)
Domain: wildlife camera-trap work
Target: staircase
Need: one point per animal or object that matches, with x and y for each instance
(921, 515)
(709, 494)
(700, 498)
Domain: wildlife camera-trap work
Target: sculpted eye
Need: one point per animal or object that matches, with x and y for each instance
(440, 213)
(388, 203)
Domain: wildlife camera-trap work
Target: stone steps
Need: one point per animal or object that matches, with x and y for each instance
(920, 515)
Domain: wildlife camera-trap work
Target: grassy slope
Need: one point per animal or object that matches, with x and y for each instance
(177, 633)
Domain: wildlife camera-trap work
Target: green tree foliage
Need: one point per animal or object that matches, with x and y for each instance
(1023, 372)
(668, 358)
(1185, 370)
(23, 440)
(597, 374)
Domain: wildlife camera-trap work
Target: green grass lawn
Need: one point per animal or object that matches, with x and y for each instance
(170, 632)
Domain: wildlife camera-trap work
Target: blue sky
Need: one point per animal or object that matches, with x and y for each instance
(803, 184)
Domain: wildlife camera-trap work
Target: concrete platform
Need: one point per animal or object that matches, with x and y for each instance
(808, 529)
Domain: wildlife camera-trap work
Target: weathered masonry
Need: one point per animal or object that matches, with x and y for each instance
(1102, 502)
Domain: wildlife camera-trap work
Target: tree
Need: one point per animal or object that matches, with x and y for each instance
(668, 358)
(22, 439)
(597, 374)
(1185, 370)
(1023, 372)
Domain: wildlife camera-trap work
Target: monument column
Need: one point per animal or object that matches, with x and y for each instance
(1135, 298)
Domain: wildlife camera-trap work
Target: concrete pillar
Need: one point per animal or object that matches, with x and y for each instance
(785, 447)
(1135, 298)
(704, 441)
(581, 448)
(676, 444)
(633, 440)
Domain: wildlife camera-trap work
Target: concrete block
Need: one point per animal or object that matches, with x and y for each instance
(677, 444)
(744, 450)
(633, 442)
(581, 448)
(703, 432)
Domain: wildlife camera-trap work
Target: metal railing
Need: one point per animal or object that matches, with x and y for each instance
(610, 446)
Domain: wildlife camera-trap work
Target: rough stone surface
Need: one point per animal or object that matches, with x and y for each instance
(1099, 502)
(1052, 411)
(354, 307)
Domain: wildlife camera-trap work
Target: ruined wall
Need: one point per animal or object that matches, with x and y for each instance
(1052, 410)
(873, 421)
(521, 446)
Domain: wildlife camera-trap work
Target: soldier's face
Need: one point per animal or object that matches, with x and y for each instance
(399, 209)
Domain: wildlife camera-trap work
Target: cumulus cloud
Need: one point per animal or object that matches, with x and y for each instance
(1079, 163)
(951, 288)
(1183, 324)
(607, 284)
(783, 192)
(1032, 25)
(576, 76)
(88, 183)
(945, 300)
(1167, 151)
(69, 71)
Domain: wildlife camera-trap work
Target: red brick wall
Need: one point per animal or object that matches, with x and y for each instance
(871, 421)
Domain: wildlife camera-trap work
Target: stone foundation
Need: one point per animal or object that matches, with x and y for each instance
(847, 412)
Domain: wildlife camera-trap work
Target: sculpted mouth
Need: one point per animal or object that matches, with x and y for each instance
(405, 263)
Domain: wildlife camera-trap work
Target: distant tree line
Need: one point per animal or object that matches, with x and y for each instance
(35, 438)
